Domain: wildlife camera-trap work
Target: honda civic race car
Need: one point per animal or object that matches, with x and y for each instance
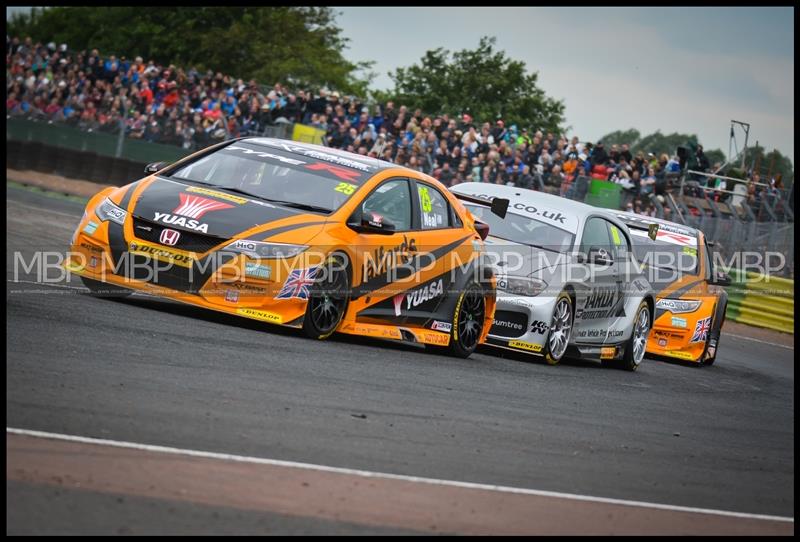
(690, 305)
(567, 283)
(298, 235)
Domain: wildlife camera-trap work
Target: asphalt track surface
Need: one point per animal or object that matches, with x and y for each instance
(151, 371)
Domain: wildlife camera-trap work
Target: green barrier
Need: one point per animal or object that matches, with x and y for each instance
(604, 194)
(756, 300)
(68, 137)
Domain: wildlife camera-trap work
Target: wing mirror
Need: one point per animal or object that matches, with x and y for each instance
(372, 223)
(155, 167)
(599, 256)
(720, 279)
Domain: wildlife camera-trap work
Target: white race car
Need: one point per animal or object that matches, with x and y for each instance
(567, 284)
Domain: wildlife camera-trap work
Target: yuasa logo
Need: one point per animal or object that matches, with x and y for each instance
(174, 220)
(417, 297)
(169, 237)
(196, 207)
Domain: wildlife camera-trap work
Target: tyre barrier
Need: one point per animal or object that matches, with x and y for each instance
(74, 164)
(761, 301)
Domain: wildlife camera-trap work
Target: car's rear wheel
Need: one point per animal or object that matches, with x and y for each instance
(104, 289)
(328, 299)
(468, 319)
(560, 329)
(637, 344)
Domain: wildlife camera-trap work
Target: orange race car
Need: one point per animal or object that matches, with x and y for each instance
(298, 235)
(690, 305)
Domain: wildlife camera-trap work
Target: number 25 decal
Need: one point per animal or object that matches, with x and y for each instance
(345, 188)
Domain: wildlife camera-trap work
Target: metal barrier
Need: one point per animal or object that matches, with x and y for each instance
(761, 301)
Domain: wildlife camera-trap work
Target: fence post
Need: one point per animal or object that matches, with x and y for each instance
(122, 122)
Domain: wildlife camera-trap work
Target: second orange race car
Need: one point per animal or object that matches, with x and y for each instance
(298, 235)
(690, 305)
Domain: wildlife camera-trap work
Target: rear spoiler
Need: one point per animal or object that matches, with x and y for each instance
(498, 206)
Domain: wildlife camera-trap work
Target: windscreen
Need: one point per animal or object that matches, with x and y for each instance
(273, 174)
(671, 255)
(523, 230)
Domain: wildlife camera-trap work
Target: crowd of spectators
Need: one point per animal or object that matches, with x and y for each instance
(170, 105)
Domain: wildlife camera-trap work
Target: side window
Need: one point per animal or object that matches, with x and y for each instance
(433, 208)
(620, 240)
(391, 201)
(595, 234)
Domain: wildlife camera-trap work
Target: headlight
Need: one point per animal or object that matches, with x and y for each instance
(677, 306)
(109, 211)
(521, 285)
(257, 249)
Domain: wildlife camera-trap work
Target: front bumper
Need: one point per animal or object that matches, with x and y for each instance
(521, 323)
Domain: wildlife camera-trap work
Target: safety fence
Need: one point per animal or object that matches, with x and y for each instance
(762, 301)
(98, 157)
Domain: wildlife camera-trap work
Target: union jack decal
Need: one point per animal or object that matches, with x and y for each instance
(701, 330)
(195, 206)
(298, 283)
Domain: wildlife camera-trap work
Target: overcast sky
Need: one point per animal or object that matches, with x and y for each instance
(688, 70)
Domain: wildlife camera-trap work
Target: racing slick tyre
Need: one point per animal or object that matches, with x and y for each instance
(327, 299)
(712, 344)
(560, 329)
(467, 320)
(637, 344)
(105, 290)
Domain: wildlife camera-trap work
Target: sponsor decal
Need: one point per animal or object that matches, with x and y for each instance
(525, 346)
(678, 322)
(173, 220)
(662, 342)
(90, 227)
(508, 325)
(336, 160)
(220, 195)
(162, 254)
(91, 248)
(93, 261)
(382, 259)
(701, 330)
(690, 251)
(608, 352)
(550, 215)
(195, 206)
(169, 237)
(678, 354)
(284, 159)
(298, 283)
(602, 302)
(232, 296)
(340, 172)
(539, 327)
(417, 297)
(245, 245)
(258, 271)
(257, 314)
(442, 326)
(433, 338)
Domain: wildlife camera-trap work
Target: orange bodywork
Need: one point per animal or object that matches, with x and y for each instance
(255, 298)
(678, 335)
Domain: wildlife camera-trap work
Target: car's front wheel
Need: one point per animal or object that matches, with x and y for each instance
(105, 290)
(560, 329)
(328, 299)
(637, 344)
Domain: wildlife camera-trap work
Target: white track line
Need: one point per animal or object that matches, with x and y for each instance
(371, 474)
(759, 341)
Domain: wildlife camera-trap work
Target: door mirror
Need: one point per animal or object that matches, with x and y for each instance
(599, 256)
(155, 167)
(482, 229)
(720, 279)
(372, 223)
